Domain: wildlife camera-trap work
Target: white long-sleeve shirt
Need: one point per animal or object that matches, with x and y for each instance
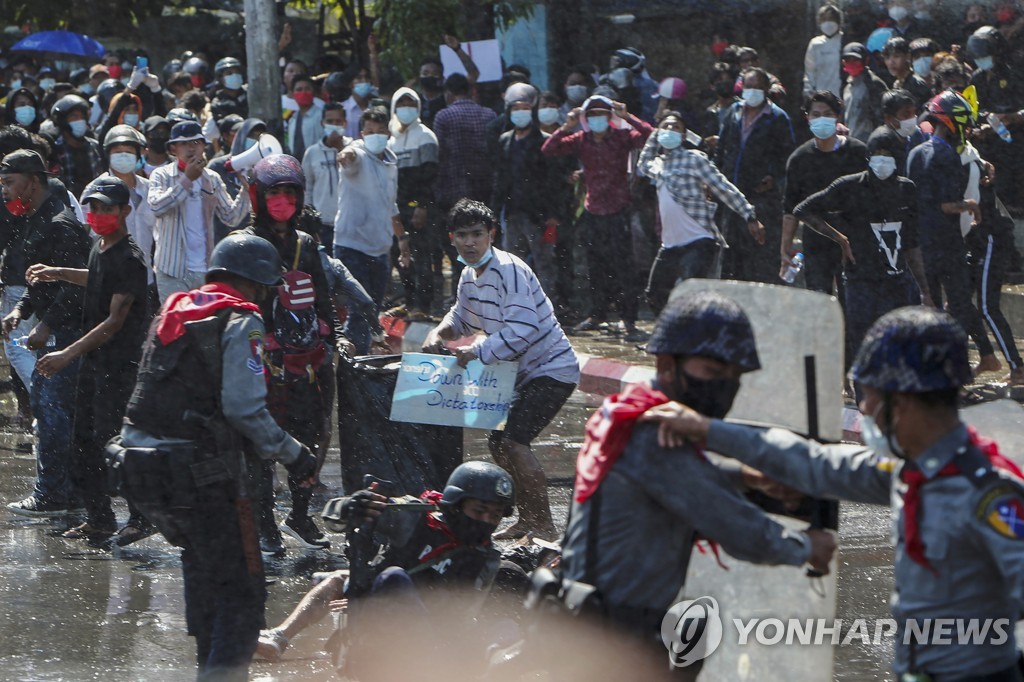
(507, 304)
(823, 65)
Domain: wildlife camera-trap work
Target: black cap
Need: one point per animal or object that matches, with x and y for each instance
(153, 122)
(25, 161)
(108, 190)
(228, 123)
(855, 50)
(186, 131)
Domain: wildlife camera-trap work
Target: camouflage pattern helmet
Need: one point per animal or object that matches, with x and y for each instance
(709, 324)
(480, 481)
(913, 350)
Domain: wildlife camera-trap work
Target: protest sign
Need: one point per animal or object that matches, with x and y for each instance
(433, 389)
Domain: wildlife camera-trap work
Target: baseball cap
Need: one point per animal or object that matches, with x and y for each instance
(97, 68)
(152, 122)
(107, 190)
(856, 50)
(25, 161)
(672, 88)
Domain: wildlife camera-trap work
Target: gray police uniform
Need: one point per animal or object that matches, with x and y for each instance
(243, 395)
(652, 502)
(966, 522)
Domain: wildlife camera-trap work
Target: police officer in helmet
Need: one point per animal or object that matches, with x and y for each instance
(638, 506)
(955, 500)
(200, 391)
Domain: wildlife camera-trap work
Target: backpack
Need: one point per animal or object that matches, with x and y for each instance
(295, 347)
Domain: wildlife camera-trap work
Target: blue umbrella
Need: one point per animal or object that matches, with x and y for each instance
(61, 42)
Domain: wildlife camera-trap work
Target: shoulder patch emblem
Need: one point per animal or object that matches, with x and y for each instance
(886, 465)
(1003, 509)
(255, 363)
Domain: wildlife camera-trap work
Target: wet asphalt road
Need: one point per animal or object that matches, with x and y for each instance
(71, 612)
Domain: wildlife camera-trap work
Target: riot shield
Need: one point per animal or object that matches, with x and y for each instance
(800, 342)
(1003, 422)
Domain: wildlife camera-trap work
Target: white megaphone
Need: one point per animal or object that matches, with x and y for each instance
(266, 145)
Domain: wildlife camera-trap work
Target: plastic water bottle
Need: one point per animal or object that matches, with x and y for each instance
(797, 264)
(22, 342)
(1000, 128)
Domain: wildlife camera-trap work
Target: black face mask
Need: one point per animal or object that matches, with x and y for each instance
(432, 83)
(711, 397)
(469, 531)
(725, 88)
(158, 144)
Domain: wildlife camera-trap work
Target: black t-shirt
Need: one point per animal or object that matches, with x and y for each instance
(121, 269)
(879, 218)
(811, 170)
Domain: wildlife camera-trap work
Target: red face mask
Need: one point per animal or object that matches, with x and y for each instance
(18, 207)
(281, 207)
(718, 48)
(103, 223)
(115, 70)
(303, 99)
(854, 69)
(197, 81)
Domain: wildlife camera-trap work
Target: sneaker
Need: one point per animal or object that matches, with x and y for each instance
(33, 506)
(305, 533)
(272, 547)
(271, 644)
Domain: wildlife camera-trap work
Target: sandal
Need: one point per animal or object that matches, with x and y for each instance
(86, 531)
(133, 533)
(271, 644)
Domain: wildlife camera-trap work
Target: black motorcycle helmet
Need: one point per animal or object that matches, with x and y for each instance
(479, 480)
(248, 256)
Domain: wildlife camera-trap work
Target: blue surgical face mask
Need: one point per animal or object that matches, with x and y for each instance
(670, 139)
(823, 127)
(753, 97)
(521, 118)
(576, 93)
(47, 83)
(233, 81)
(25, 115)
(375, 143)
(547, 115)
(363, 89)
(87, 88)
(15, 83)
(249, 142)
(78, 128)
(984, 63)
(407, 115)
(873, 437)
(598, 124)
(131, 120)
(328, 129)
(484, 260)
(123, 162)
(923, 66)
(882, 166)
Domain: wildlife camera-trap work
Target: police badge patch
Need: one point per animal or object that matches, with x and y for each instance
(503, 487)
(255, 363)
(1005, 513)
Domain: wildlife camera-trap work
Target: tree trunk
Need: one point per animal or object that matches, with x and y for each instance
(261, 34)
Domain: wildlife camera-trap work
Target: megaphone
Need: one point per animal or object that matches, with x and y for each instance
(266, 145)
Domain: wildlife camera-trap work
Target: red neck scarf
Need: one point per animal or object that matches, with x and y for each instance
(608, 432)
(198, 304)
(915, 478)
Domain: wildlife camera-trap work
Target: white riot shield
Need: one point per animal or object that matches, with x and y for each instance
(800, 343)
(800, 339)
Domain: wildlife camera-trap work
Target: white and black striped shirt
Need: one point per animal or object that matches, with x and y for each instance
(507, 304)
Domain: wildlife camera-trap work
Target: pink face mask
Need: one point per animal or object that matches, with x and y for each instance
(281, 207)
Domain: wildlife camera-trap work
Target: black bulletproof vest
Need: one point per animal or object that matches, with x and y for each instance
(183, 376)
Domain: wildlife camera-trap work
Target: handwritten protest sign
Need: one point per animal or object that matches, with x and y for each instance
(433, 389)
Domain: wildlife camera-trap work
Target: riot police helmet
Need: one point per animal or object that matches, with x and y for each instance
(248, 256)
(480, 481)
(708, 324)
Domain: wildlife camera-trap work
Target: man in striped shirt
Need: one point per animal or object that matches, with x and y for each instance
(501, 301)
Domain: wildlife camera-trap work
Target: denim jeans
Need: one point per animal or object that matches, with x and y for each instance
(525, 238)
(53, 404)
(373, 273)
(20, 358)
(700, 258)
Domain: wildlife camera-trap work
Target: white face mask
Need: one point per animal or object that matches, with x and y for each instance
(123, 162)
(375, 143)
(898, 13)
(923, 66)
(328, 129)
(407, 115)
(882, 166)
(873, 438)
(908, 127)
(753, 97)
(47, 83)
(547, 115)
(829, 28)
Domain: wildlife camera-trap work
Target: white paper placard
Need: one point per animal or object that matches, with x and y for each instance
(433, 389)
(486, 54)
